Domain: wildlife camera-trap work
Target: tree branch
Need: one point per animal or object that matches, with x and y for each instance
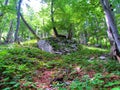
(29, 27)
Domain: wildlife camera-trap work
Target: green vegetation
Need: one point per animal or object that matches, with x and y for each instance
(19, 65)
(82, 37)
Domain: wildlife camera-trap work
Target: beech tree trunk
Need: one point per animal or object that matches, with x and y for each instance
(52, 19)
(112, 30)
(18, 20)
(6, 2)
(53, 22)
(0, 36)
(29, 27)
(9, 38)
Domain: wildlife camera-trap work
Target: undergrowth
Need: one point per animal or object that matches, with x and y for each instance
(18, 65)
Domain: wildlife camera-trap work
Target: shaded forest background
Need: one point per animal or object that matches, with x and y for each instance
(84, 19)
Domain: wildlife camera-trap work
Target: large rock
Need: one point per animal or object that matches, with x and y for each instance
(45, 46)
(58, 45)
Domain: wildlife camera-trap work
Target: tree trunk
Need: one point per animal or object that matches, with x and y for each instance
(112, 30)
(70, 33)
(52, 19)
(29, 27)
(96, 29)
(85, 37)
(0, 36)
(9, 38)
(6, 2)
(18, 21)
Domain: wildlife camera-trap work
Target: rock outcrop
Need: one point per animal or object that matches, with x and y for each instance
(58, 45)
(45, 46)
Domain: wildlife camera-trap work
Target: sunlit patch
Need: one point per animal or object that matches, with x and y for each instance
(93, 48)
(36, 5)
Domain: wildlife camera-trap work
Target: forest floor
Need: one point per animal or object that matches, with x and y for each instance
(25, 67)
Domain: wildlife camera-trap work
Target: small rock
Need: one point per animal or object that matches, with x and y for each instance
(102, 57)
(98, 45)
(66, 49)
(58, 53)
(67, 83)
(74, 46)
(68, 53)
(74, 49)
(92, 58)
(59, 43)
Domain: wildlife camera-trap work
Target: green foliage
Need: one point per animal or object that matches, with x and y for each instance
(55, 63)
(84, 17)
(88, 83)
(83, 55)
(23, 61)
(114, 83)
(81, 58)
(20, 63)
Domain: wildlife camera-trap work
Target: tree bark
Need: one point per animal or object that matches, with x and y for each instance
(52, 19)
(53, 22)
(112, 30)
(29, 27)
(0, 36)
(6, 2)
(9, 38)
(18, 21)
(70, 33)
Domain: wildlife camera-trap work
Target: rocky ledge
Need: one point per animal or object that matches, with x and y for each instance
(58, 45)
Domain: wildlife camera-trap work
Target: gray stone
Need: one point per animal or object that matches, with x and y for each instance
(66, 49)
(68, 41)
(68, 53)
(102, 57)
(67, 83)
(58, 53)
(45, 46)
(73, 45)
(92, 58)
(98, 45)
(64, 46)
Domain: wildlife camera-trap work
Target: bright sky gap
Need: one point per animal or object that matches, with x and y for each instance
(36, 5)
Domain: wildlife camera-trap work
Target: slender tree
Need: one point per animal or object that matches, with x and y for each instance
(18, 20)
(29, 27)
(52, 19)
(9, 38)
(112, 30)
(6, 2)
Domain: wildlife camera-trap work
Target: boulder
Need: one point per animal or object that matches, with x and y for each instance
(45, 46)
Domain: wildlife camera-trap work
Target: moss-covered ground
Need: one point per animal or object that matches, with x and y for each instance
(25, 67)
